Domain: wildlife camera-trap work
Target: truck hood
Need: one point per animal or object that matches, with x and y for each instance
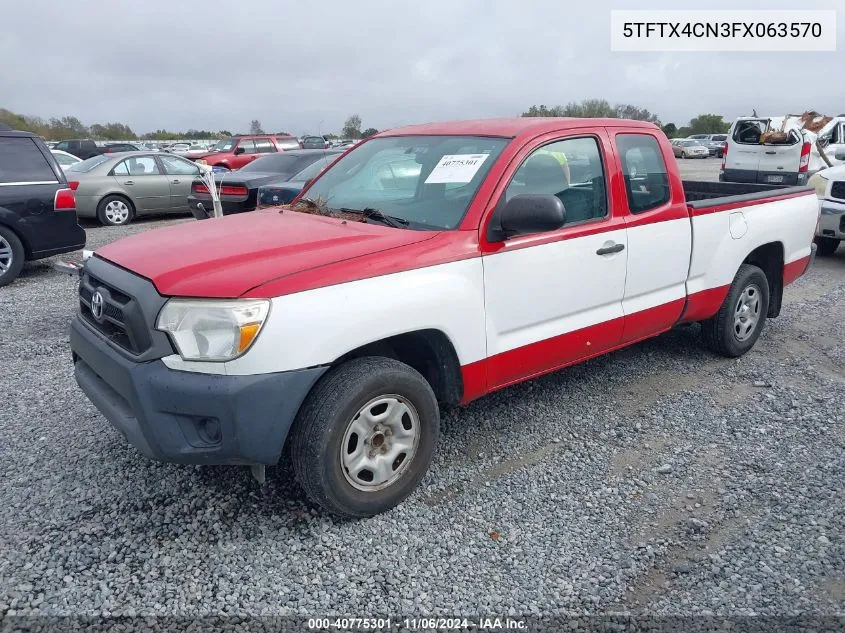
(226, 257)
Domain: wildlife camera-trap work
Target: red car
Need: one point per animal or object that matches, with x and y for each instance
(237, 151)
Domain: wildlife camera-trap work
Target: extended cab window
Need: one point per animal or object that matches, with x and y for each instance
(646, 178)
(571, 170)
(22, 161)
(427, 180)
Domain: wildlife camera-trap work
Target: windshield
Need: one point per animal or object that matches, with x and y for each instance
(87, 165)
(427, 180)
(225, 145)
(276, 164)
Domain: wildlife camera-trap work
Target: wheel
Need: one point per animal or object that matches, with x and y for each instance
(12, 256)
(737, 325)
(683, 154)
(365, 436)
(826, 246)
(115, 211)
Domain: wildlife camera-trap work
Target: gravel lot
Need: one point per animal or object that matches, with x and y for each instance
(657, 479)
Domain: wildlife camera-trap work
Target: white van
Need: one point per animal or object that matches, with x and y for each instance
(790, 161)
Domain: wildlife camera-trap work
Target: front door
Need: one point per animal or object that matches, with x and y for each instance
(554, 298)
(141, 178)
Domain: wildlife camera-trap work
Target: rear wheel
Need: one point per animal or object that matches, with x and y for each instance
(827, 246)
(365, 436)
(737, 325)
(115, 211)
(12, 256)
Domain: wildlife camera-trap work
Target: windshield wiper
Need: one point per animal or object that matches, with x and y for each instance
(377, 215)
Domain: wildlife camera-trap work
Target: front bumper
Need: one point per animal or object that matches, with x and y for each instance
(832, 220)
(186, 417)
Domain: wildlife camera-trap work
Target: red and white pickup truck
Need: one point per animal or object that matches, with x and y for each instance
(429, 264)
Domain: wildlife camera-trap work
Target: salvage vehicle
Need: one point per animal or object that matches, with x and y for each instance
(37, 206)
(117, 188)
(279, 193)
(238, 190)
(429, 265)
(86, 148)
(781, 150)
(237, 151)
(830, 187)
(690, 148)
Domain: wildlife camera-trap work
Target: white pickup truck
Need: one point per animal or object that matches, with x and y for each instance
(428, 265)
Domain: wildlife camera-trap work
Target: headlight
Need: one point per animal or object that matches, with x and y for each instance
(819, 183)
(212, 330)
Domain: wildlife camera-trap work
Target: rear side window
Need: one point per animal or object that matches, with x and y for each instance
(264, 146)
(22, 161)
(646, 178)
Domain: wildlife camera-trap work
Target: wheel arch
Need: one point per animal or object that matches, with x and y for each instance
(429, 351)
(769, 258)
(5, 223)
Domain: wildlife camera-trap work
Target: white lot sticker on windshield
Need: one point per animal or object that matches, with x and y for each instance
(456, 168)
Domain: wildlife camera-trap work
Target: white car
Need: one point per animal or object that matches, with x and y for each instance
(64, 159)
(179, 148)
(830, 187)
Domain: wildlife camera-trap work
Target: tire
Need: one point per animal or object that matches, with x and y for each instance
(332, 426)
(12, 256)
(115, 211)
(730, 333)
(826, 246)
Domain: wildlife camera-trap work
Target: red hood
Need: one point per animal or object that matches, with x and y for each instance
(228, 256)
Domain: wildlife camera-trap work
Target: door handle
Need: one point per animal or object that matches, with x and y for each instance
(771, 152)
(608, 250)
(128, 182)
(175, 182)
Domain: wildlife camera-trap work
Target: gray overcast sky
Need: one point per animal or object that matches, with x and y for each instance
(300, 66)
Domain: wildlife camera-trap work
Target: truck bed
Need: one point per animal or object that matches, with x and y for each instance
(703, 194)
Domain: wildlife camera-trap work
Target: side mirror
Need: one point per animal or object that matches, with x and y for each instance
(526, 214)
(239, 150)
(839, 154)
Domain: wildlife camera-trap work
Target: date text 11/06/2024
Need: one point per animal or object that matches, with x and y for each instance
(422, 624)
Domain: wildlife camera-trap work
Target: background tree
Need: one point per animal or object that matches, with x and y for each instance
(369, 132)
(255, 127)
(594, 108)
(670, 130)
(352, 127)
(708, 124)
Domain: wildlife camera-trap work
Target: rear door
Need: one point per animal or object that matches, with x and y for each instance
(141, 178)
(659, 236)
(181, 174)
(744, 150)
(779, 162)
(556, 297)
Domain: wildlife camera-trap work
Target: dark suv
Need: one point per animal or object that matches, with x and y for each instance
(37, 207)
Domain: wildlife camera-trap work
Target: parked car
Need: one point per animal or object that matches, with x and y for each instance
(86, 148)
(233, 346)
(716, 144)
(237, 151)
(37, 207)
(829, 184)
(117, 188)
(314, 142)
(688, 148)
(180, 148)
(699, 137)
(238, 190)
(780, 150)
(64, 159)
(278, 193)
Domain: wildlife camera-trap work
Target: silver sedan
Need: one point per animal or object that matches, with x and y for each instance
(116, 188)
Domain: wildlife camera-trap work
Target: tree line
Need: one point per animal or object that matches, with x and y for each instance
(600, 108)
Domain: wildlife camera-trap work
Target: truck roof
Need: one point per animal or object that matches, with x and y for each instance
(511, 127)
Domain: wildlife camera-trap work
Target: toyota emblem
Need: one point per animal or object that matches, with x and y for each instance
(97, 305)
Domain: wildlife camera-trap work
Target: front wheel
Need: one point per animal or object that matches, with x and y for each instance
(827, 246)
(737, 325)
(365, 436)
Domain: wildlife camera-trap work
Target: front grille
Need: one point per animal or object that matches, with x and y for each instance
(121, 322)
(837, 189)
